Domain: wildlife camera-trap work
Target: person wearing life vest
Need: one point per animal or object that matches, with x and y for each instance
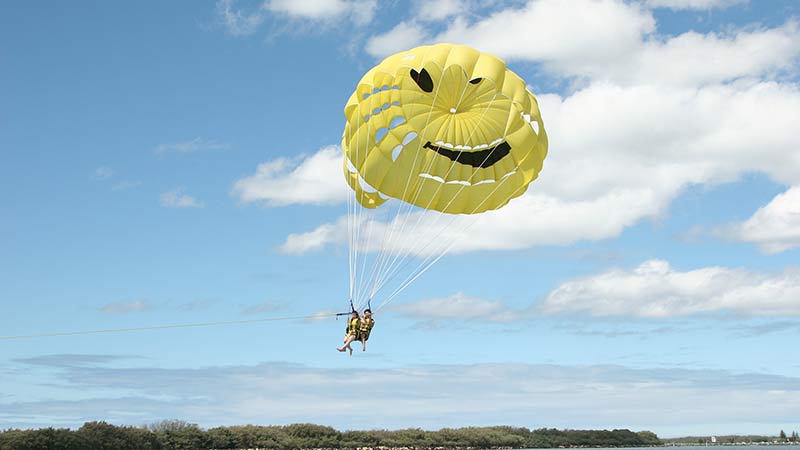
(364, 328)
(351, 332)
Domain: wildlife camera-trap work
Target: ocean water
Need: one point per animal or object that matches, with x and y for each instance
(792, 446)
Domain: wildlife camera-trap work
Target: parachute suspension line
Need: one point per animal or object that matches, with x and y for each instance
(363, 217)
(358, 211)
(423, 267)
(414, 252)
(367, 246)
(379, 263)
(424, 212)
(352, 216)
(393, 224)
(401, 218)
(350, 209)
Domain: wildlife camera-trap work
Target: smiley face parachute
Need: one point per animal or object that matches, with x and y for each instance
(444, 132)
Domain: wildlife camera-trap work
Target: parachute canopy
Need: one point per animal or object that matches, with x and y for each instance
(443, 132)
(442, 127)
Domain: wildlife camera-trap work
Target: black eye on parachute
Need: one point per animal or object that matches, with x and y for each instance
(423, 80)
(475, 80)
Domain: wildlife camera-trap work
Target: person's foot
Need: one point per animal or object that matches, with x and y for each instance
(364, 348)
(351, 352)
(339, 349)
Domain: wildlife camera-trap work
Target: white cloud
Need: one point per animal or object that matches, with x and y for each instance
(125, 307)
(316, 179)
(318, 238)
(403, 36)
(426, 396)
(661, 114)
(458, 306)
(618, 155)
(359, 11)
(695, 59)
(608, 40)
(435, 10)
(775, 227)
(549, 30)
(177, 199)
(656, 290)
(330, 12)
(237, 22)
(693, 4)
(195, 145)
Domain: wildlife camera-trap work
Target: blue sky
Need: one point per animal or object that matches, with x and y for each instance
(174, 163)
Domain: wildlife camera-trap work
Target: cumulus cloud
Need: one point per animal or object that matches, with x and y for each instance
(401, 37)
(653, 118)
(693, 4)
(359, 11)
(435, 10)
(125, 307)
(316, 239)
(617, 155)
(655, 290)
(549, 30)
(652, 290)
(427, 396)
(315, 179)
(692, 58)
(240, 23)
(178, 199)
(608, 40)
(775, 227)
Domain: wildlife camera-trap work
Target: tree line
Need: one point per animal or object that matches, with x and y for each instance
(734, 439)
(180, 435)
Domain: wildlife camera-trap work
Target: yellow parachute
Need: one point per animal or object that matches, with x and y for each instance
(444, 131)
(442, 127)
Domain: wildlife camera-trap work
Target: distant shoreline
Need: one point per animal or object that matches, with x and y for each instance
(178, 434)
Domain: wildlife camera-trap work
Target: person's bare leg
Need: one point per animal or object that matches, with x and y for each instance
(347, 340)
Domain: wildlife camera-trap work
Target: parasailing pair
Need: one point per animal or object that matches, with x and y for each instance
(434, 137)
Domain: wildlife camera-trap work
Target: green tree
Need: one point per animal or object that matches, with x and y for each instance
(104, 436)
(49, 438)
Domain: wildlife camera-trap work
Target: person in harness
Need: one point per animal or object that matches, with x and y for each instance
(351, 332)
(364, 328)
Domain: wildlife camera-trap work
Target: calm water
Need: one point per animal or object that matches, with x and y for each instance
(709, 447)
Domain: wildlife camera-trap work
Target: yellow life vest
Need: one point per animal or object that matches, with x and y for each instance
(352, 326)
(365, 326)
